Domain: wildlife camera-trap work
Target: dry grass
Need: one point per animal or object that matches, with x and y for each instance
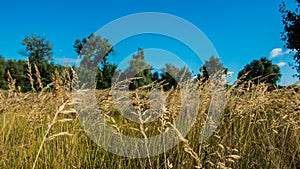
(259, 129)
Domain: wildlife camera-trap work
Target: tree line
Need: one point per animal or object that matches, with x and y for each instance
(40, 64)
(94, 50)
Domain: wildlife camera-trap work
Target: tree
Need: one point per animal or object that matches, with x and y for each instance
(139, 68)
(210, 68)
(3, 84)
(261, 71)
(172, 75)
(105, 75)
(155, 76)
(79, 44)
(37, 49)
(94, 51)
(291, 33)
(17, 70)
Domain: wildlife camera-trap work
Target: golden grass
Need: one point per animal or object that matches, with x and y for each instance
(259, 129)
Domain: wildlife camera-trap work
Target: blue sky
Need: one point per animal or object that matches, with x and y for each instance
(239, 30)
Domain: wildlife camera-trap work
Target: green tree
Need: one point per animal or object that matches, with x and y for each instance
(261, 71)
(3, 84)
(172, 75)
(17, 69)
(155, 76)
(94, 51)
(105, 75)
(291, 33)
(79, 44)
(139, 68)
(212, 67)
(38, 50)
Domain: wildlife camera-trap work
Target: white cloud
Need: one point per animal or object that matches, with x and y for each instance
(279, 52)
(67, 60)
(281, 64)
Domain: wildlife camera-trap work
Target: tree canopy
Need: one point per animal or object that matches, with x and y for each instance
(211, 68)
(138, 68)
(2, 72)
(291, 33)
(259, 71)
(172, 75)
(94, 51)
(37, 49)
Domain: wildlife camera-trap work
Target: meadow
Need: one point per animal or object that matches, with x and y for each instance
(259, 129)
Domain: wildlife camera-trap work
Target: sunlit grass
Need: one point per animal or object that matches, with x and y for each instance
(259, 129)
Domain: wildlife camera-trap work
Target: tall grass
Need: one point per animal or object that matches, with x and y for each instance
(259, 129)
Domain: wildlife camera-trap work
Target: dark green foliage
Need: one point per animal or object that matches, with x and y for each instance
(39, 52)
(17, 70)
(105, 75)
(78, 45)
(139, 69)
(261, 71)
(46, 70)
(37, 49)
(291, 33)
(94, 66)
(155, 76)
(94, 51)
(2, 73)
(211, 68)
(172, 75)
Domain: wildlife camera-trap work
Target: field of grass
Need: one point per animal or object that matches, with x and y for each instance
(259, 129)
